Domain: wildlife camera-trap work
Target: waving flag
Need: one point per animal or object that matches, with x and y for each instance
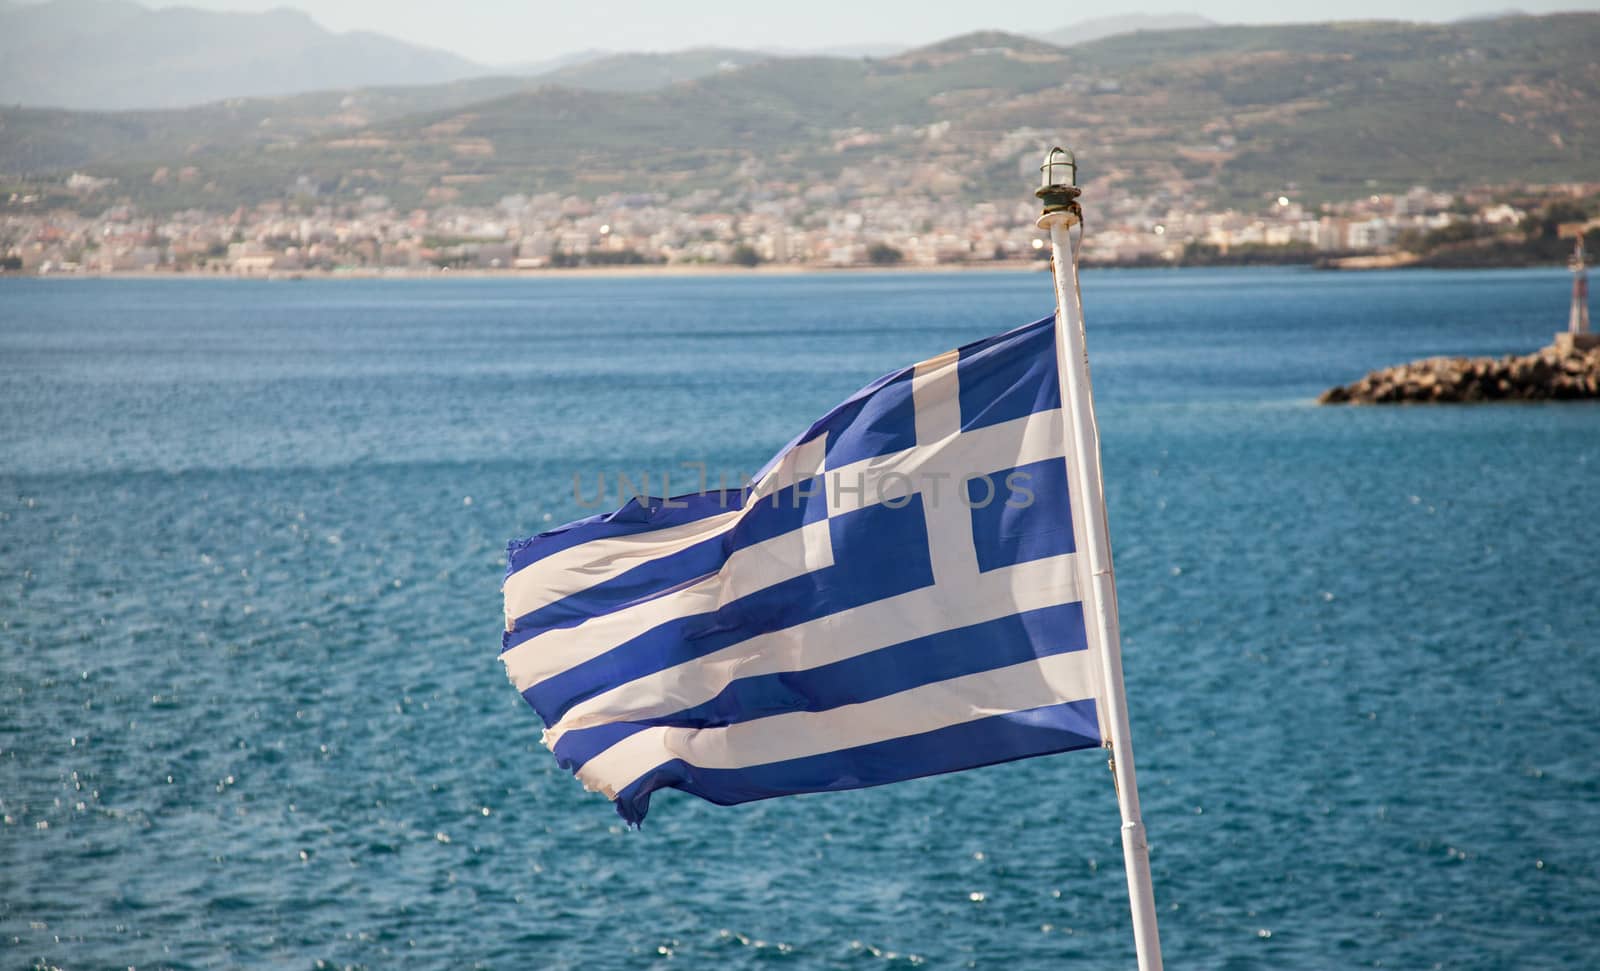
(895, 595)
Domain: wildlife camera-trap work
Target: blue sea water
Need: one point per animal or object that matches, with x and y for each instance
(251, 714)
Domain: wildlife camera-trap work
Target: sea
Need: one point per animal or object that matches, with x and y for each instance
(252, 716)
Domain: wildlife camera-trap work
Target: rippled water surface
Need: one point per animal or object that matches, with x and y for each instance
(251, 713)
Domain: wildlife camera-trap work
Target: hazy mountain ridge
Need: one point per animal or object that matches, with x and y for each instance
(1221, 112)
(1099, 28)
(117, 55)
(549, 65)
(111, 54)
(650, 71)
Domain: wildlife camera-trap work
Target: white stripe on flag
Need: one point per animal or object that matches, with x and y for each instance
(804, 461)
(1020, 687)
(936, 396)
(834, 637)
(747, 571)
(577, 568)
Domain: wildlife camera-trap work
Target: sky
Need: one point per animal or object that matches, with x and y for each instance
(517, 31)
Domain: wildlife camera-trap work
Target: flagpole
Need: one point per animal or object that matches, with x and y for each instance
(1097, 583)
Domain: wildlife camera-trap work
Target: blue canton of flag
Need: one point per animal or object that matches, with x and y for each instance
(895, 595)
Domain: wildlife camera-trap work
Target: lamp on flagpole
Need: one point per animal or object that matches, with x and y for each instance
(1063, 217)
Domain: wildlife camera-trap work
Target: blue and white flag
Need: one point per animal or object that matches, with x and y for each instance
(895, 595)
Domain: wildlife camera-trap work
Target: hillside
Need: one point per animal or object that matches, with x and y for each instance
(649, 71)
(116, 54)
(1225, 113)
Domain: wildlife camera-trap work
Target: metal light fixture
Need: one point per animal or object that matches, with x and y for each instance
(1058, 183)
(1060, 168)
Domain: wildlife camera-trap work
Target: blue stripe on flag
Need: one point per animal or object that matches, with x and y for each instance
(638, 516)
(948, 654)
(882, 423)
(1010, 376)
(1026, 516)
(784, 511)
(986, 741)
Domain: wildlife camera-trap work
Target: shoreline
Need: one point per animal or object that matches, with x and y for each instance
(639, 270)
(689, 270)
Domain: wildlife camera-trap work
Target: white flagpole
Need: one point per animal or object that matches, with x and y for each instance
(1061, 213)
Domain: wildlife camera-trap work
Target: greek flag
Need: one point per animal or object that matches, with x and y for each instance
(895, 595)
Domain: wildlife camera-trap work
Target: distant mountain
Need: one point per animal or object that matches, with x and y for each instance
(109, 54)
(849, 50)
(983, 41)
(1229, 114)
(1496, 15)
(1097, 28)
(551, 64)
(839, 50)
(647, 72)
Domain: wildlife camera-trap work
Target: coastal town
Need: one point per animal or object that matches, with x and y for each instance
(835, 225)
(921, 159)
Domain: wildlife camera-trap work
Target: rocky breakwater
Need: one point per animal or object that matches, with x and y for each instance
(1558, 373)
